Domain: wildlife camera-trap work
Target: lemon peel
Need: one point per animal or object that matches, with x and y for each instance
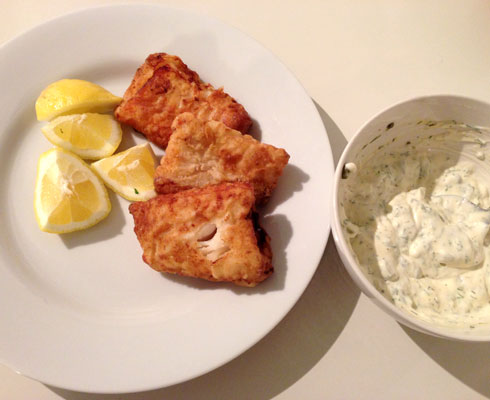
(130, 172)
(90, 136)
(68, 195)
(74, 96)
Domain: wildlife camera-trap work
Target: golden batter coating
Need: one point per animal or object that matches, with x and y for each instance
(210, 233)
(164, 87)
(201, 153)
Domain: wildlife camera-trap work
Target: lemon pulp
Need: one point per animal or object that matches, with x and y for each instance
(129, 173)
(90, 136)
(68, 195)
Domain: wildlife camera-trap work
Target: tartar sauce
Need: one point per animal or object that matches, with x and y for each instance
(417, 218)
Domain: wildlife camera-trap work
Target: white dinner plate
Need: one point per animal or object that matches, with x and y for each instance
(82, 311)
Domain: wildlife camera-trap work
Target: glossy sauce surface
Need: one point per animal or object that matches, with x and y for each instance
(417, 219)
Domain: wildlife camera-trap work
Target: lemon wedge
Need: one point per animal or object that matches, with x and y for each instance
(68, 195)
(130, 172)
(90, 136)
(73, 96)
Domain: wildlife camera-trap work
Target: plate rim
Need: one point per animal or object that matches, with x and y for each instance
(326, 224)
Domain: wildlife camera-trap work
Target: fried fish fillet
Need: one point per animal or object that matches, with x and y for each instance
(210, 233)
(201, 153)
(164, 87)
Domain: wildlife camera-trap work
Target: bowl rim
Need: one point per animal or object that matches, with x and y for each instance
(348, 260)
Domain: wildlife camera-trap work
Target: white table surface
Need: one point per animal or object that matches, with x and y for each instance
(354, 59)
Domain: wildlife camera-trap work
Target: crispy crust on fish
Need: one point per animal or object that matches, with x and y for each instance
(164, 87)
(201, 153)
(210, 233)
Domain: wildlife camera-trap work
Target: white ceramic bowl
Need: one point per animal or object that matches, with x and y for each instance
(400, 120)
